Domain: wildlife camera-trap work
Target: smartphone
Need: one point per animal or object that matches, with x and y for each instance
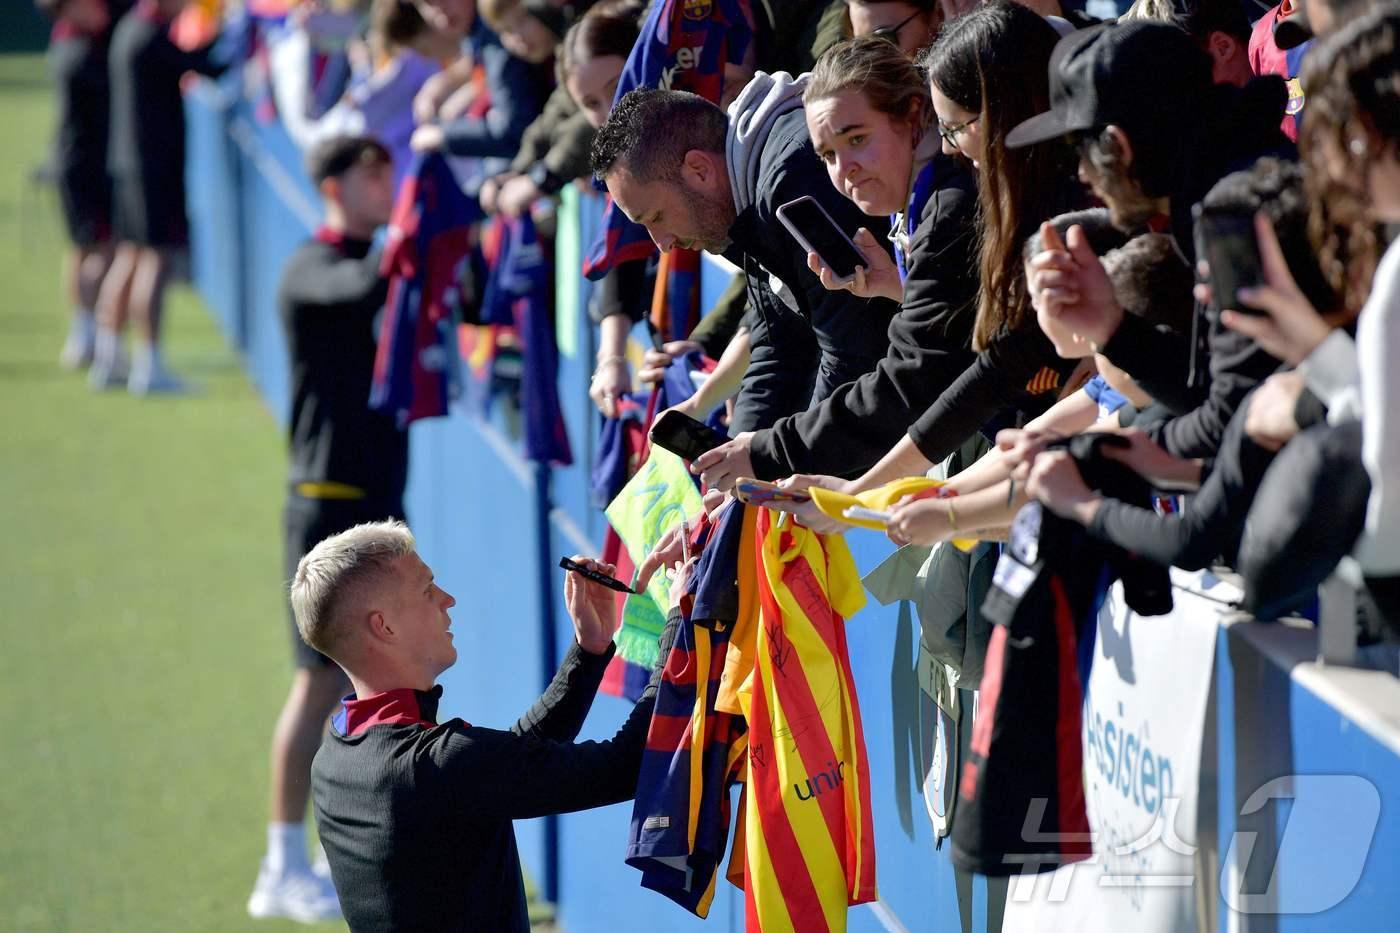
(812, 226)
(767, 495)
(611, 583)
(684, 436)
(1226, 240)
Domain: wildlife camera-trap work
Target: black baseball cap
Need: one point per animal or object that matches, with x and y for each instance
(335, 156)
(1137, 74)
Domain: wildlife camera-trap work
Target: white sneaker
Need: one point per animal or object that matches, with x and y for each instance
(81, 345)
(298, 895)
(152, 378)
(108, 373)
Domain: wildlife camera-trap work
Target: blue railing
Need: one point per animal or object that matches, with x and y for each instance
(493, 525)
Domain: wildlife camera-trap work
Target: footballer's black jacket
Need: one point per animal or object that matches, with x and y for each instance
(415, 816)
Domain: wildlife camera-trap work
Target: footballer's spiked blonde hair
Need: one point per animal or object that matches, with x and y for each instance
(336, 569)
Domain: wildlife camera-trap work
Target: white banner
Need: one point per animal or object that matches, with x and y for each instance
(1144, 716)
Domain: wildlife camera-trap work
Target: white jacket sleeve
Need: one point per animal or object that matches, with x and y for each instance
(1377, 341)
(1332, 372)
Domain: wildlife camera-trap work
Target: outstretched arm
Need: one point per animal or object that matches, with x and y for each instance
(559, 713)
(518, 776)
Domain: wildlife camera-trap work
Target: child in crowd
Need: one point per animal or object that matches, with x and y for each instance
(554, 147)
(1214, 519)
(1147, 276)
(505, 93)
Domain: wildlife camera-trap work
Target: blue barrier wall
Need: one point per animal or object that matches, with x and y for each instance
(491, 525)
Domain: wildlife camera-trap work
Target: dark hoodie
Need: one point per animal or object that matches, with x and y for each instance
(805, 340)
(1203, 379)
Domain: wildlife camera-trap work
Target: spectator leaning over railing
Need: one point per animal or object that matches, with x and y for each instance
(416, 815)
(872, 123)
(591, 59)
(1213, 520)
(78, 64)
(1350, 140)
(787, 37)
(1151, 149)
(348, 465)
(146, 158)
(986, 73)
(1149, 278)
(697, 179)
(554, 148)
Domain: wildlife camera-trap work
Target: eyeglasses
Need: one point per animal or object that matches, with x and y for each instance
(891, 33)
(950, 131)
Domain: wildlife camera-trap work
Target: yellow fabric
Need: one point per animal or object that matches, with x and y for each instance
(803, 688)
(881, 499)
(329, 490)
(698, 743)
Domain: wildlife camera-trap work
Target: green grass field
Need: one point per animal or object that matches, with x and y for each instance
(145, 649)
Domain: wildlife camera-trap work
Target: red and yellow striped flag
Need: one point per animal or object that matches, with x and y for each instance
(810, 847)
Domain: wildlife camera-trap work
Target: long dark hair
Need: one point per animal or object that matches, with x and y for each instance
(994, 61)
(1352, 82)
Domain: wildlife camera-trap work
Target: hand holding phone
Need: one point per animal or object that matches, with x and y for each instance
(685, 437)
(813, 228)
(1284, 321)
(879, 278)
(1227, 241)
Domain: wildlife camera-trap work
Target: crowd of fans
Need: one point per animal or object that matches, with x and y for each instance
(1038, 198)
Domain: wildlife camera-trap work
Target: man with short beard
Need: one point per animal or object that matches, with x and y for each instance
(1151, 148)
(697, 179)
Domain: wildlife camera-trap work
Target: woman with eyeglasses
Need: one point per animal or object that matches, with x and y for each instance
(987, 71)
(909, 24)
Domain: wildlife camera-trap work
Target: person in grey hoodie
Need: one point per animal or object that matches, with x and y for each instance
(698, 179)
